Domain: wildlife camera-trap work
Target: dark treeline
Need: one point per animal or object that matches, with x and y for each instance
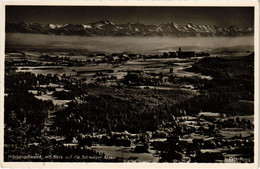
(20, 103)
(233, 80)
(63, 95)
(230, 75)
(110, 114)
(26, 106)
(23, 81)
(115, 114)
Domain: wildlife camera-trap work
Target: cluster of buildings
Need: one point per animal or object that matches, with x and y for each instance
(195, 139)
(186, 54)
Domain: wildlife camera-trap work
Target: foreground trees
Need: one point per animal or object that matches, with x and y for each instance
(109, 113)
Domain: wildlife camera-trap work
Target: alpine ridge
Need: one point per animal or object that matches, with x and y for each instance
(108, 28)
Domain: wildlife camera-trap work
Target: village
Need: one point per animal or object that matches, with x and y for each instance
(205, 140)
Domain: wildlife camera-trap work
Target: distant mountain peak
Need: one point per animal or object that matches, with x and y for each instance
(105, 22)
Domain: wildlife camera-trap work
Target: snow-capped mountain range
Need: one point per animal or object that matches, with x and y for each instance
(108, 28)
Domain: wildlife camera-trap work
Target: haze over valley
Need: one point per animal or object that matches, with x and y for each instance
(138, 45)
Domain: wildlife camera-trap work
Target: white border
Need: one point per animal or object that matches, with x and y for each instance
(132, 165)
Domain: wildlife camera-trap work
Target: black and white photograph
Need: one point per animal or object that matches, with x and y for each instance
(129, 84)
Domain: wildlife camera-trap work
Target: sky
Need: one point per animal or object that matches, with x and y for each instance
(218, 16)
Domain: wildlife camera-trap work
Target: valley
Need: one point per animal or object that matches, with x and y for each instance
(129, 107)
